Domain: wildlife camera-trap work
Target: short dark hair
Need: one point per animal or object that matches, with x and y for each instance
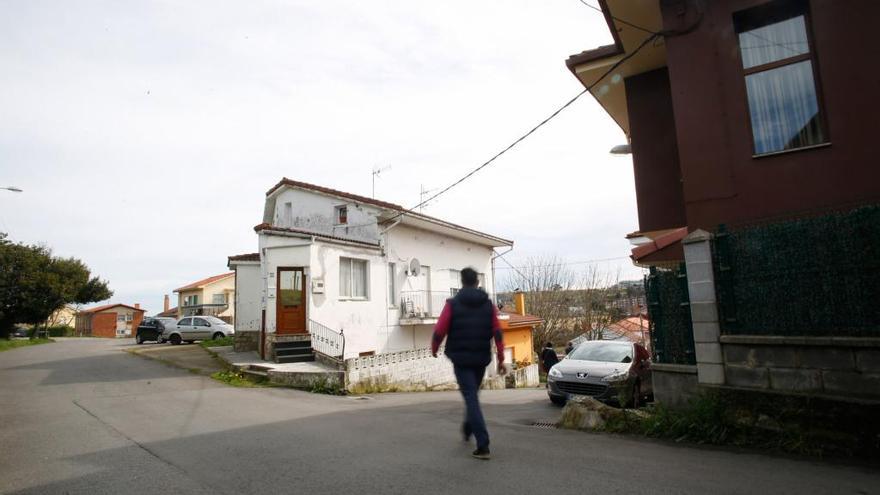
(469, 277)
(548, 344)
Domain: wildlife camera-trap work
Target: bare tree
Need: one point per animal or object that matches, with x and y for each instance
(592, 306)
(547, 281)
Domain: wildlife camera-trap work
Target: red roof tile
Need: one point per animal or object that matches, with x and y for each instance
(108, 306)
(245, 257)
(205, 281)
(518, 320)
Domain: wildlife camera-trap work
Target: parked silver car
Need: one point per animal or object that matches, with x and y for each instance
(192, 328)
(610, 371)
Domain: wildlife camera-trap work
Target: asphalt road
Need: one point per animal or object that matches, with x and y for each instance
(80, 416)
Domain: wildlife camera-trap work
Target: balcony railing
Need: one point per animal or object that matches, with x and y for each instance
(327, 341)
(422, 304)
(204, 309)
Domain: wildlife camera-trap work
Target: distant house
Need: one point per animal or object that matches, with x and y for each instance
(212, 296)
(110, 320)
(65, 316)
(518, 328)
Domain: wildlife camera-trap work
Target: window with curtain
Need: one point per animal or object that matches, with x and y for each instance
(780, 76)
(218, 299)
(352, 278)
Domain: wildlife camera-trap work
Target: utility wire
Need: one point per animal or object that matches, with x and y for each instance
(531, 131)
(566, 263)
(597, 9)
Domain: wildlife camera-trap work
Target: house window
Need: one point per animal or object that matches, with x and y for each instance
(128, 317)
(288, 215)
(352, 278)
(780, 76)
(191, 300)
(454, 282)
(341, 215)
(218, 299)
(120, 317)
(392, 284)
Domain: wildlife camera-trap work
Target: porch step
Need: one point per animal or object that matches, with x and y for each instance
(296, 344)
(296, 358)
(255, 373)
(291, 351)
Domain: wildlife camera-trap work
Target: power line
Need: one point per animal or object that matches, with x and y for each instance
(597, 9)
(567, 263)
(531, 131)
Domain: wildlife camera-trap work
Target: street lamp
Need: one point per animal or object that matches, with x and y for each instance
(11, 188)
(621, 149)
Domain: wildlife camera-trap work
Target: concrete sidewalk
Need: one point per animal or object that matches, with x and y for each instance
(306, 375)
(193, 358)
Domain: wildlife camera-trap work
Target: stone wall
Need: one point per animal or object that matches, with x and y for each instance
(674, 384)
(246, 341)
(830, 366)
(406, 371)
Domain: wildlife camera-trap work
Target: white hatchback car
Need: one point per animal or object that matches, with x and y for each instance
(192, 328)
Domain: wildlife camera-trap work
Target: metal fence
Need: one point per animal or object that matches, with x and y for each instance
(803, 277)
(422, 304)
(327, 341)
(669, 315)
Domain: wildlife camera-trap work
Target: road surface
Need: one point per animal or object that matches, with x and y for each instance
(81, 416)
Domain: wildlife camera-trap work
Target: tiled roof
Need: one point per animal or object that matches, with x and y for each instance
(518, 320)
(205, 281)
(265, 226)
(171, 312)
(245, 257)
(108, 306)
(333, 192)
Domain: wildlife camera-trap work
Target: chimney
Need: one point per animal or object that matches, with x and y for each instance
(137, 305)
(167, 304)
(519, 301)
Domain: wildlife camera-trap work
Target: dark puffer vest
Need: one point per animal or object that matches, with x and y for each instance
(467, 343)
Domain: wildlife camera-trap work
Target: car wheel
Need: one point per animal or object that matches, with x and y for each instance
(139, 339)
(636, 400)
(218, 335)
(559, 401)
(175, 339)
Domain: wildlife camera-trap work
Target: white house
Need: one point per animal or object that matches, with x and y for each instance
(349, 276)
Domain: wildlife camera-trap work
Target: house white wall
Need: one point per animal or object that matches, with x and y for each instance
(275, 251)
(316, 212)
(248, 296)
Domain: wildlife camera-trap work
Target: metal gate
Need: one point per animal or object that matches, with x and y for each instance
(669, 314)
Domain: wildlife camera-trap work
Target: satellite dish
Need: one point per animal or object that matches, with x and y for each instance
(415, 267)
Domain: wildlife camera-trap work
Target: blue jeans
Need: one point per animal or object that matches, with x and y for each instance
(469, 380)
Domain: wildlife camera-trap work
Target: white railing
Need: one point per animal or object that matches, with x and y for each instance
(422, 304)
(327, 341)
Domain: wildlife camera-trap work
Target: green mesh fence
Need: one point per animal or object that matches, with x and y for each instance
(669, 315)
(805, 277)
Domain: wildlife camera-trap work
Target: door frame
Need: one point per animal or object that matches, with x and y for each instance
(305, 300)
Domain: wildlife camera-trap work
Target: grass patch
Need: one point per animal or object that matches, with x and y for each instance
(715, 418)
(325, 386)
(225, 341)
(238, 379)
(8, 345)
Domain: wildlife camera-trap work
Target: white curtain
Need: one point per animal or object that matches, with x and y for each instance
(358, 278)
(345, 277)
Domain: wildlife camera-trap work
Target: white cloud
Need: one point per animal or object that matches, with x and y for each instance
(146, 133)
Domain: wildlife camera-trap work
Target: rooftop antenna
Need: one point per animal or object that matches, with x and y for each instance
(424, 192)
(376, 171)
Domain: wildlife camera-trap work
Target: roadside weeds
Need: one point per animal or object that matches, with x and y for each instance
(8, 345)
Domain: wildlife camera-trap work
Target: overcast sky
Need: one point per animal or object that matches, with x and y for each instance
(146, 133)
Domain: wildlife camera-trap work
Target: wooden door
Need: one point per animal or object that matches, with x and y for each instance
(291, 301)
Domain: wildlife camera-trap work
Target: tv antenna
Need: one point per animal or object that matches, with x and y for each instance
(424, 192)
(376, 171)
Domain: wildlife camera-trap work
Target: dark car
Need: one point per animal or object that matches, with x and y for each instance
(151, 329)
(614, 372)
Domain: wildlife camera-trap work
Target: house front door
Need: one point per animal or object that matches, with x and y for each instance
(291, 301)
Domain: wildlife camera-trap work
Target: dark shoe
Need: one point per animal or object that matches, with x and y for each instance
(466, 432)
(482, 454)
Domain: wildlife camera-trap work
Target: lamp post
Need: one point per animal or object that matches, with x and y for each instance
(621, 149)
(11, 188)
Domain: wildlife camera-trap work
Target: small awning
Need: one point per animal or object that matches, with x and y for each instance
(662, 248)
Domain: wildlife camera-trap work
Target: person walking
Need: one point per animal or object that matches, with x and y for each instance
(549, 357)
(468, 322)
(569, 348)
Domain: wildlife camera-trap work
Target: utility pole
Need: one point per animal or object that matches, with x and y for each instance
(376, 171)
(424, 192)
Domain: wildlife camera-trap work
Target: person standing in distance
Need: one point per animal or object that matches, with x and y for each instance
(468, 322)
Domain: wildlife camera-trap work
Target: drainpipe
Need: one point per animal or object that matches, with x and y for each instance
(388, 303)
